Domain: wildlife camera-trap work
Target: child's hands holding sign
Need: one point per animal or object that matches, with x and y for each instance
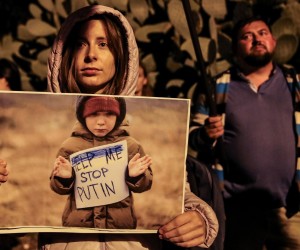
(138, 166)
(62, 168)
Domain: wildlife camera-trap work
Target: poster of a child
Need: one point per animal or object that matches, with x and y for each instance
(100, 119)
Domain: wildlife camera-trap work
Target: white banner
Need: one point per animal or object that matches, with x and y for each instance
(100, 175)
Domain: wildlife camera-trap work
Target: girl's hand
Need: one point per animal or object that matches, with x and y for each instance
(138, 166)
(186, 230)
(62, 168)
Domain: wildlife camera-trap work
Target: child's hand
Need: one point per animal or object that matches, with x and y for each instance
(62, 168)
(3, 171)
(138, 166)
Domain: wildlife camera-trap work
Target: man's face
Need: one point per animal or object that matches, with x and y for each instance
(255, 44)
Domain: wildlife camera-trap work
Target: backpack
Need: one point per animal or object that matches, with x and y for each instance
(205, 184)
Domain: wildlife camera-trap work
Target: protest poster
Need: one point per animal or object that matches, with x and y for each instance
(33, 127)
(100, 175)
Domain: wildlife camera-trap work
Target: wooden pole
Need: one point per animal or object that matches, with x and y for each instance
(200, 61)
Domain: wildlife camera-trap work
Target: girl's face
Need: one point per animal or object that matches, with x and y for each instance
(94, 62)
(101, 123)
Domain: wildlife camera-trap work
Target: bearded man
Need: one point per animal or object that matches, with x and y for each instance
(258, 106)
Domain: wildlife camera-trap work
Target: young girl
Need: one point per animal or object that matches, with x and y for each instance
(100, 119)
(94, 52)
(198, 225)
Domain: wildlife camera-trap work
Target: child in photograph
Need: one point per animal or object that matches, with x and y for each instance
(99, 124)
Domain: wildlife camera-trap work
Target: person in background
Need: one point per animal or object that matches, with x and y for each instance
(260, 102)
(95, 52)
(142, 87)
(3, 171)
(10, 78)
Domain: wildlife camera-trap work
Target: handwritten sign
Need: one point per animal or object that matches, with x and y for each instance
(100, 175)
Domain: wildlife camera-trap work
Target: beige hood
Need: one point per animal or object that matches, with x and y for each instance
(54, 61)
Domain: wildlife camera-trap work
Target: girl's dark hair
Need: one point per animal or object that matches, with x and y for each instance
(242, 23)
(118, 45)
(10, 72)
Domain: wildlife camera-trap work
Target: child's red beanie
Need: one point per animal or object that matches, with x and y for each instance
(101, 104)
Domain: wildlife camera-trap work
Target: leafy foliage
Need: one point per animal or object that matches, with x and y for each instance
(161, 31)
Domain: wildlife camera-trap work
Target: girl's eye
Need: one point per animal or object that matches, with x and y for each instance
(110, 114)
(102, 44)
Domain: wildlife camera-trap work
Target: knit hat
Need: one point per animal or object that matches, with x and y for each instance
(101, 104)
(81, 104)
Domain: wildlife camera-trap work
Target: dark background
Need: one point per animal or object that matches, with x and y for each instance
(29, 27)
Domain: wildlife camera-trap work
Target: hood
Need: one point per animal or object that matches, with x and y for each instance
(54, 61)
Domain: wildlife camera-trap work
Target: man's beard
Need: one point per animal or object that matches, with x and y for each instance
(258, 60)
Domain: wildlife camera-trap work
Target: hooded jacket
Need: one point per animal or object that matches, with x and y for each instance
(55, 58)
(115, 241)
(118, 215)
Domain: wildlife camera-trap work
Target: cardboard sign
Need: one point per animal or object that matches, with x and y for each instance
(100, 175)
